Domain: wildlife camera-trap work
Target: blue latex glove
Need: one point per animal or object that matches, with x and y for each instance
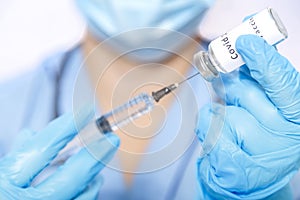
(259, 148)
(34, 151)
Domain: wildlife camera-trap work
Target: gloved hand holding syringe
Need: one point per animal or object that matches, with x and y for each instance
(114, 120)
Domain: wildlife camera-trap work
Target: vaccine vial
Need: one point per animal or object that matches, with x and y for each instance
(222, 55)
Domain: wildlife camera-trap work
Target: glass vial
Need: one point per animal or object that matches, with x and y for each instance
(222, 55)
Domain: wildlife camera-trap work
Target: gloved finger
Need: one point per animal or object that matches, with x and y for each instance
(73, 177)
(209, 127)
(248, 17)
(227, 146)
(240, 154)
(237, 124)
(229, 171)
(22, 138)
(92, 191)
(25, 163)
(251, 136)
(274, 73)
(243, 91)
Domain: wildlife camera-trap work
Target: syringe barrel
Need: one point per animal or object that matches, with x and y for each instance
(87, 135)
(122, 115)
(135, 108)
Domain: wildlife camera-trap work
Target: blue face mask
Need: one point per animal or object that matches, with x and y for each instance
(150, 30)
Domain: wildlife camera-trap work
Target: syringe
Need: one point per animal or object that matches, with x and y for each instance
(166, 90)
(112, 121)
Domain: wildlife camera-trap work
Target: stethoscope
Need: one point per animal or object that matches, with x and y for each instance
(175, 183)
(59, 77)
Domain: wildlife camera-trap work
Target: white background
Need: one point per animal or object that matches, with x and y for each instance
(226, 14)
(32, 29)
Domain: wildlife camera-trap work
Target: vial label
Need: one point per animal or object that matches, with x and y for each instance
(222, 50)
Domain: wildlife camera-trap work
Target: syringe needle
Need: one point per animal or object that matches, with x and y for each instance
(166, 90)
(190, 77)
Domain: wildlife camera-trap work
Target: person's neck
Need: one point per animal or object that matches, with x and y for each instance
(117, 79)
(102, 60)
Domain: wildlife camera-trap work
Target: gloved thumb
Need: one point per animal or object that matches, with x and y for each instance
(274, 73)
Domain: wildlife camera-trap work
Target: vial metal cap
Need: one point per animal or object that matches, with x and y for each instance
(205, 66)
(278, 22)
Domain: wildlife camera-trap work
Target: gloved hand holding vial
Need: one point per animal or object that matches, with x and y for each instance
(257, 153)
(222, 55)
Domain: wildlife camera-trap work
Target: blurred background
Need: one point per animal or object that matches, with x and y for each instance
(31, 30)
